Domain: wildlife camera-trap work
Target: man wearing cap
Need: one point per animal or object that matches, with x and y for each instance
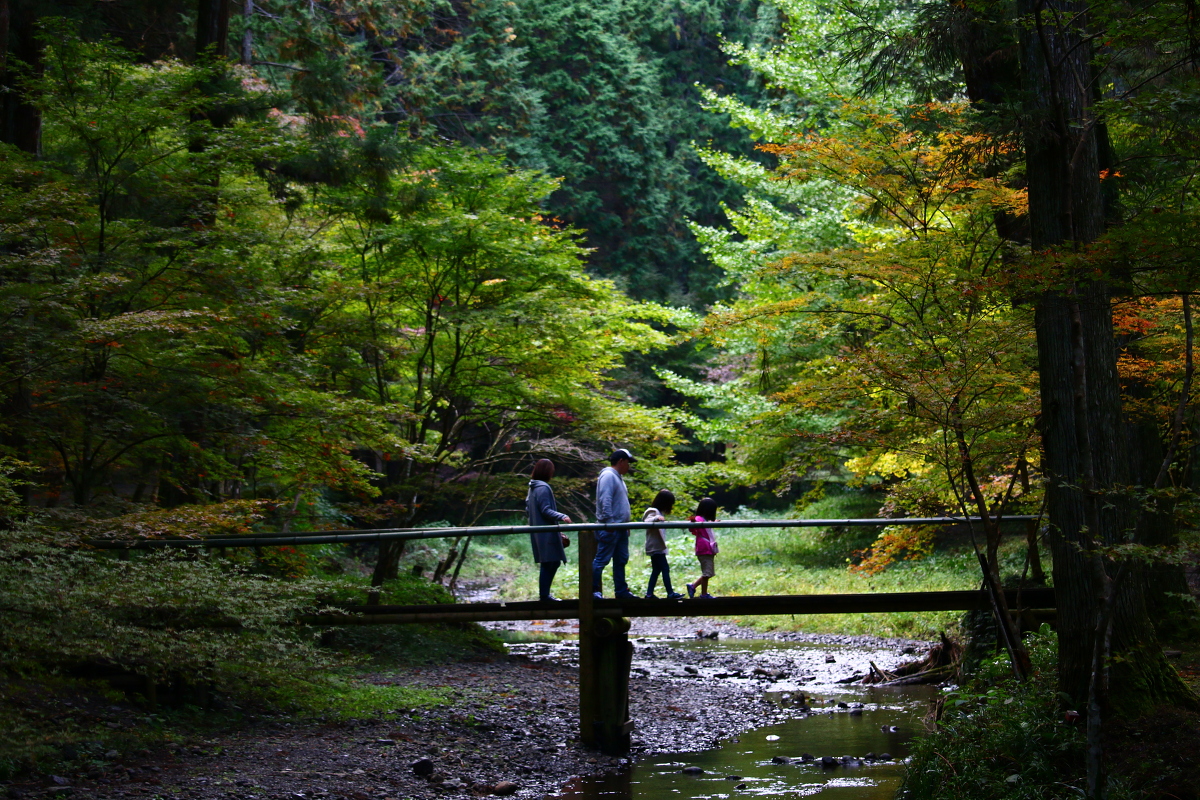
(612, 506)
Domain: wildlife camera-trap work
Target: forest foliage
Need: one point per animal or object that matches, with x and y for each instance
(357, 263)
(233, 303)
(191, 319)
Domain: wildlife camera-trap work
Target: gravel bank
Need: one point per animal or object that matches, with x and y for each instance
(513, 732)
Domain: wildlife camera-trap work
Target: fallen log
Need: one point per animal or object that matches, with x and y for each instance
(935, 675)
(878, 676)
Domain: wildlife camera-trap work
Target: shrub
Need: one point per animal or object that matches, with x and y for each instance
(164, 615)
(1002, 739)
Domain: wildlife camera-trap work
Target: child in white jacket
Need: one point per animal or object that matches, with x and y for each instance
(656, 546)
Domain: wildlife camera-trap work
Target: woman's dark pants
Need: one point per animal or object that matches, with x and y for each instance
(546, 577)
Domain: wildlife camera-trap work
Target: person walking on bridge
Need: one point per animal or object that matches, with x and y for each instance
(706, 547)
(656, 545)
(541, 509)
(612, 507)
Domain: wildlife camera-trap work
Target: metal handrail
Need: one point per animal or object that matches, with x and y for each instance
(405, 534)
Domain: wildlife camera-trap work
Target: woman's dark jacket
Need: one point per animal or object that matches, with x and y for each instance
(541, 509)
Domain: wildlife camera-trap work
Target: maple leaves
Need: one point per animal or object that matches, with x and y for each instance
(919, 169)
(901, 358)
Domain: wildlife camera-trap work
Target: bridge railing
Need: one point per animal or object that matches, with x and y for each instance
(393, 534)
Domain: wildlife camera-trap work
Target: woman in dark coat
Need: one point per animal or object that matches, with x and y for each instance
(548, 546)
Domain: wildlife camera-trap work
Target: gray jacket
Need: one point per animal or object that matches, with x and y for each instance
(654, 536)
(542, 510)
(612, 498)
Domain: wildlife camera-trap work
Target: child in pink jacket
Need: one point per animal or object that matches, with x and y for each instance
(706, 547)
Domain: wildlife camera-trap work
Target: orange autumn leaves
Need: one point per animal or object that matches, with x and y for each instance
(920, 169)
(1152, 360)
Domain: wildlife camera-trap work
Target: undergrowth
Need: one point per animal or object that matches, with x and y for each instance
(100, 655)
(1000, 739)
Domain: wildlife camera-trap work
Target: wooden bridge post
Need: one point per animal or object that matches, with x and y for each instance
(587, 649)
(613, 658)
(605, 656)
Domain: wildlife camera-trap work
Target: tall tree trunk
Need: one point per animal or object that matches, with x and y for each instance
(212, 35)
(212, 29)
(20, 119)
(1101, 611)
(388, 563)
(247, 56)
(1035, 557)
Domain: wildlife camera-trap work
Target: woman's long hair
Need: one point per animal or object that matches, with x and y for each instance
(706, 509)
(543, 470)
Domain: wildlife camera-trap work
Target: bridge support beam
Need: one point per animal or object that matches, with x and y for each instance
(605, 656)
(588, 689)
(613, 654)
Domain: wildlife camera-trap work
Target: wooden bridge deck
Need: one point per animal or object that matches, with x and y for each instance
(718, 607)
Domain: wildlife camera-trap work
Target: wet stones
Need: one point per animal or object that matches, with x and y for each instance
(692, 771)
(832, 762)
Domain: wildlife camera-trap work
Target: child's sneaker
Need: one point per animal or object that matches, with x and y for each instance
(691, 591)
(707, 596)
(674, 596)
(651, 596)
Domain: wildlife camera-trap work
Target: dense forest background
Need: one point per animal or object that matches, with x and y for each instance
(277, 137)
(275, 266)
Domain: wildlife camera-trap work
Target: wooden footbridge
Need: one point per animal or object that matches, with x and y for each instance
(605, 653)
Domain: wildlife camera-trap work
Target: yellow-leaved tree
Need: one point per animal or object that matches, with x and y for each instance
(925, 375)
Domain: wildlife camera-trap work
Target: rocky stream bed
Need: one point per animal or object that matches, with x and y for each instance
(511, 732)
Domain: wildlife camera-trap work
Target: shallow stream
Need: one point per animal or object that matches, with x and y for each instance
(840, 740)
